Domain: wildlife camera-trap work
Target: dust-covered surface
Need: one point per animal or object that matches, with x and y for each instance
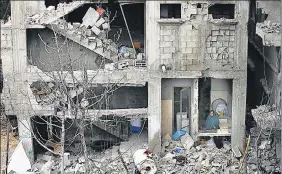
(13, 142)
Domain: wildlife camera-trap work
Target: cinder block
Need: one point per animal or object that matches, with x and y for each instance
(187, 50)
(225, 44)
(168, 38)
(189, 61)
(227, 32)
(168, 27)
(165, 44)
(213, 44)
(166, 32)
(169, 50)
(208, 44)
(232, 38)
(214, 38)
(221, 49)
(166, 56)
(209, 50)
(183, 44)
(192, 44)
(219, 44)
(215, 32)
(175, 43)
(195, 61)
(225, 38)
(232, 27)
(214, 50)
(100, 22)
(221, 32)
(195, 50)
(96, 30)
(183, 66)
(214, 56)
(220, 38)
(190, 56)
(231, 50)
(224, 27)
(194, 38)
(231, 44)
(232, 32)
(216, 27)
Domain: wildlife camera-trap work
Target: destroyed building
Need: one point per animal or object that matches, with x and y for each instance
(264, 84)
(172, 61)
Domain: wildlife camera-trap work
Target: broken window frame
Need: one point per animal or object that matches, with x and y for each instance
(220, 3)
(171, 18)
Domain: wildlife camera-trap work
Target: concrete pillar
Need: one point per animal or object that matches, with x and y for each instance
(154, 115)
(238, 113)
(19, 56)
(194, 119)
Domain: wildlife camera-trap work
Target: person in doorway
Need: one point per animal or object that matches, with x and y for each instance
(212, 121)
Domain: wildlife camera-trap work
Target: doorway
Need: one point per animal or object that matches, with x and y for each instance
(181, 108)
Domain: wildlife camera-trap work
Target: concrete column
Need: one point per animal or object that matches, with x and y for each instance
(154, 115)
(19, 58)
(238, 112)
(194, 120)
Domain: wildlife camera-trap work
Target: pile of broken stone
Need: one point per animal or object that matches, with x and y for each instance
(267, 156)
(267, 117)
(182, 156)
(270, 27)
(92, 33)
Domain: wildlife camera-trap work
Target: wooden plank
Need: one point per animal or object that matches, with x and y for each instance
(166, 117)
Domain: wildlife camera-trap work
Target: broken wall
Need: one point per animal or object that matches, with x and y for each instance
(43, 53)
(7, 69)
(196, 41)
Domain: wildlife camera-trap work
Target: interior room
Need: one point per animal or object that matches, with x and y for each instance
(215, 99)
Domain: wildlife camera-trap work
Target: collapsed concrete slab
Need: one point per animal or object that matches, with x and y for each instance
(90, 18)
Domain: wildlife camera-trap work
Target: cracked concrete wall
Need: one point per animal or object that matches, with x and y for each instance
(47, 58)
(7, 69)
(186, 44)
(195, 41)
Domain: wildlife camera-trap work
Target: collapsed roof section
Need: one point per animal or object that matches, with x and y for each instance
(93, 32)
(270, 33)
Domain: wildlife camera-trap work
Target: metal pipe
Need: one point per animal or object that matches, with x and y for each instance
(127, 28)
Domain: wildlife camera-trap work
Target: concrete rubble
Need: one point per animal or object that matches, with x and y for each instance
(267, 117)
(267, 158)
(270, 27)
(91, 33)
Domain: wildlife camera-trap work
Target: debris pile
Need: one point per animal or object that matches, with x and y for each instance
(269, 27)
(267, 117)
(51, 14)
(267, 158)
(190, 157)
(92, 33)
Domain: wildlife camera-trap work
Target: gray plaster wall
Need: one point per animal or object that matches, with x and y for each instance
(44, 52)
(121, 98)
(221, 85)
(169, 84)
(130, 97)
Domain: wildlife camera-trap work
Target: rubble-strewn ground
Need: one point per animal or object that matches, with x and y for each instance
(269, 150)
(13, 141)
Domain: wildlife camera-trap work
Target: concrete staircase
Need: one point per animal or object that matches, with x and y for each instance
(119, 130)
(80, 36)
